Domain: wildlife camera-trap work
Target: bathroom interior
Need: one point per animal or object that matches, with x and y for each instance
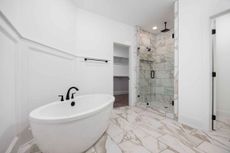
(124, 76)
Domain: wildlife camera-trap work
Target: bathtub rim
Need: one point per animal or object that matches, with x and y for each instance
(35, 118)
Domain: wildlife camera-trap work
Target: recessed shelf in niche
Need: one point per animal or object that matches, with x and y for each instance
(120, 60)
(120, 70)
(120, 57)
(121, 77)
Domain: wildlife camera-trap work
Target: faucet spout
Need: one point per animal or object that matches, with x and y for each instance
(68, 92)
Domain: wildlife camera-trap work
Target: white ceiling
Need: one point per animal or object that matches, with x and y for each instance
(145, 13)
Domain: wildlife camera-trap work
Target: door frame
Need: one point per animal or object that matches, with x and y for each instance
(130, 77)
(213, 75)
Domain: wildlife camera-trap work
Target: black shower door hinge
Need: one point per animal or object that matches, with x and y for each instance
(213, 117)
(213, 31)
(213, 74)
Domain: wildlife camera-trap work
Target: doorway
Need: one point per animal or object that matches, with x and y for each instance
(221, 70)
(121, 74)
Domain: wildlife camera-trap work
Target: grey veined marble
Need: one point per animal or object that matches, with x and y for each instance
(158, 91)
(146, 130)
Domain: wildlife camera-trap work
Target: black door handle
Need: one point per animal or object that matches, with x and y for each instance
(152, 74)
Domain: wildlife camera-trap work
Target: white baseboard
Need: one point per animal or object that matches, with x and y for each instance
(193, 122)
(25, 148)
(12, 144)
(221, 114)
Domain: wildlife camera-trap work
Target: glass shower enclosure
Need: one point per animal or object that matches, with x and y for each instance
(156, 71)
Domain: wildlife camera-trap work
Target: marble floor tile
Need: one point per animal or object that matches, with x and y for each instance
(146, 130)
(114, 130)
(130, 147)
(211, 148)
(176, 144)
(111, 146)
(153, 145)
(91, 150)
(169, 151)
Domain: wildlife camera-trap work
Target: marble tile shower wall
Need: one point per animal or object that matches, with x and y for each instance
(176, 55)
(145, 64)
(161, 60)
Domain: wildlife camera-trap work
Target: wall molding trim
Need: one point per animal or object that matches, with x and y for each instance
(25, 148)
(50, 53)
(7, 21)
(12, 145)
(6, 33)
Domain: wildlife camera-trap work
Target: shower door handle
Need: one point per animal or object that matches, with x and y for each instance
(152, 74)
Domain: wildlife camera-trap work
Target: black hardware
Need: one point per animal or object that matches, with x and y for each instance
(213, 117)
(72, 96)
(72, 103)
(213, 31)
(138, 48)
(213, 74)
(152, 74)
(148, 49)
(62, 97)
(138, 96)
(213, 79)
(173, 36)
(68, 92)
(147, 103)
(93, 59)
(173, 103)
(165, 30)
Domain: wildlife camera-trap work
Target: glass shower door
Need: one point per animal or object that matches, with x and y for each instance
(146, 81)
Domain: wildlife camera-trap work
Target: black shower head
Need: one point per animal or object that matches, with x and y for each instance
(165, 30)
(148, 49)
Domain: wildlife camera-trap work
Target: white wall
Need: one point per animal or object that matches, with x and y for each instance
(195, 60)
(51, 22)
(95, 36)
(8, 52)
(120, 50)
(222, 62)
(41, 72)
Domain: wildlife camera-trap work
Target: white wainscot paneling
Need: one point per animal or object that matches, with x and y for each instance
(94, 77)
(49, 75)
(8, 48)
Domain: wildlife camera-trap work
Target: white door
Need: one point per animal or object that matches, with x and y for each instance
(222, 68)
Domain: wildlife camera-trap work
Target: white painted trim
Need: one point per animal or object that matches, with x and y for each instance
(12, 144)
(198, 124)
(130, 76)
(35, 42)
(26, 147)
(212, 45)
(220, 14)
(222, 114)
(44, 51)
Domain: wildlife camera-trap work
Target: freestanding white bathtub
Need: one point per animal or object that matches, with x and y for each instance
(60, 128)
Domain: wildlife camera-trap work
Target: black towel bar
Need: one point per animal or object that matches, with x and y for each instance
(93, 59)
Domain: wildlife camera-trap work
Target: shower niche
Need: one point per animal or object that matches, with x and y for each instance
(155, 80)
